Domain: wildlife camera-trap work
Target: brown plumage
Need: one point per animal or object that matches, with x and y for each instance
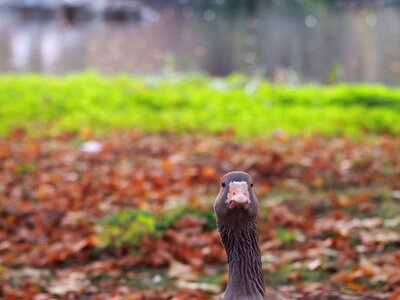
(236, 208)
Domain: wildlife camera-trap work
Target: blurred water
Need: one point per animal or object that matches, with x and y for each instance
(320, 42)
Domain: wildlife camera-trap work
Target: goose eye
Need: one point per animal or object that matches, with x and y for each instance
(223, 184)
(251, 184)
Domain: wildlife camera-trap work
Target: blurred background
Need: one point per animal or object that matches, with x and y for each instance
(315, 41)
(119, 117)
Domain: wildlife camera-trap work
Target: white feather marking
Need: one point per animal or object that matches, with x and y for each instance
(238, 182)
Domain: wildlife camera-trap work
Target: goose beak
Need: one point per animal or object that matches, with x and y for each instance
(238, 196)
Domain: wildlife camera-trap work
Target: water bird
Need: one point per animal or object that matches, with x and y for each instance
(236, 208)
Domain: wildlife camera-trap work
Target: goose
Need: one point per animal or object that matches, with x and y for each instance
(236, 209)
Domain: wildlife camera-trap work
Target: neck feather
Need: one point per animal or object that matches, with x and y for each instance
(246, 280)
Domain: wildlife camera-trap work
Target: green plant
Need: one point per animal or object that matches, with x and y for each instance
(187, 103)
(285, 235)
(129, 226)
(126, 227)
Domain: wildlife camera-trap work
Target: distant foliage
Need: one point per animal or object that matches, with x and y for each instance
(249, 106)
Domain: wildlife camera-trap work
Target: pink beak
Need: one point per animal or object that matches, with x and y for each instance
(238, 196)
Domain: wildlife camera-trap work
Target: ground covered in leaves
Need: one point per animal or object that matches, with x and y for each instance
(129, 216)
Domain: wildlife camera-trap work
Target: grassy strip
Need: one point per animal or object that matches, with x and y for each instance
(194, 103)
(129, 226)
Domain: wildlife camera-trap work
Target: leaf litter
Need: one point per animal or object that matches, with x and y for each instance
(329, 215)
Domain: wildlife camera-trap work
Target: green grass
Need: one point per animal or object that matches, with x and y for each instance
(194, 103)
(129, 226)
